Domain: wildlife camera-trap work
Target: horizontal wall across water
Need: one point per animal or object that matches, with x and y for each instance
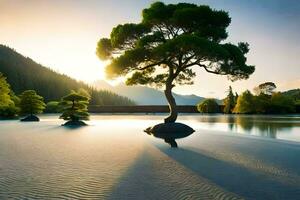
(140, 109)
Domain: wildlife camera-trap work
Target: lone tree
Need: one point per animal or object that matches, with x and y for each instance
(170, 40)
(265, 88)
(31, 103)
(74, 108)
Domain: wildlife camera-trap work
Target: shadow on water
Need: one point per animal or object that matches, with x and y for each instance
(233, 177)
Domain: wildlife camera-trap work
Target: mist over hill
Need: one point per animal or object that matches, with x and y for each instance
(147, 96)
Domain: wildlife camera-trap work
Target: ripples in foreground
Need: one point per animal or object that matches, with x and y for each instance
(114, 159)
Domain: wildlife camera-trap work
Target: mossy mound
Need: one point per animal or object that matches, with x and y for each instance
(30, 118)
(170, 130)
(74, 123)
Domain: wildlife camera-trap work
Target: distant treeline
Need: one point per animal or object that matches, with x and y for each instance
(23, 74)
(264, 101)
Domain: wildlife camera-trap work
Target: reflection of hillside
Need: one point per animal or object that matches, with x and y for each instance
(266, 126)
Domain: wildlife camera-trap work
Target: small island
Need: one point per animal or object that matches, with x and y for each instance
(74, 108)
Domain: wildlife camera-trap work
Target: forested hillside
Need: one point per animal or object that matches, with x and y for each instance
(23, 73)
(295, 94)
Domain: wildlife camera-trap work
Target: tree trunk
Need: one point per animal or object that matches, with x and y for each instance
(172, 104)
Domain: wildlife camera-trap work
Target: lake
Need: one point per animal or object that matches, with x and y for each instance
(227, 157)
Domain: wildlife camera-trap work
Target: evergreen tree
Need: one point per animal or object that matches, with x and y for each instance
(229, 102)
(31, 103)
(74, 107)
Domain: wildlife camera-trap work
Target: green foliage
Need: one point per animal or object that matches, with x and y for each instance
(295, 94)
(245, 103)
(277, 103)
(52, 107)
(262, 103)
(8, 100)
(282, 104)
(9, 111)
(229, 102)
(23, 74)
(5, 99)
(84, 93)
(31, 103)
(170, 40)
(208, 106)
(74, 107)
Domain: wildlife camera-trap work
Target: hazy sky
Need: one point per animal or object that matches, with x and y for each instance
(62, 34)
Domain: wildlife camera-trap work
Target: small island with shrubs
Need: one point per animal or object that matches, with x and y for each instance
(74, 108)
(30, 104)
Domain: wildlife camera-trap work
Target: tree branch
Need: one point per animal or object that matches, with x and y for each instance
(151, 65)
(210, 71)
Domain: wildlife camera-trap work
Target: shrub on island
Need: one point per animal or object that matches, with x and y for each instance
(74, 109)
(30, 104)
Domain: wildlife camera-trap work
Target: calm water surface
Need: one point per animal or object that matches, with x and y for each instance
(286, 127)
(113, 158)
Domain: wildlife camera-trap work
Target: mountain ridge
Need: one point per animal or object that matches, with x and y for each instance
(144, 95)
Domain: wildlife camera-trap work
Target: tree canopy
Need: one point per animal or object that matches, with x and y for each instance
(74, 106)
(265, 88)
(31, 103)
(170, 40)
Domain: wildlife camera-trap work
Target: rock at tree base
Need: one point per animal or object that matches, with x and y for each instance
(30, 118)
(170, 131)
(74, 123)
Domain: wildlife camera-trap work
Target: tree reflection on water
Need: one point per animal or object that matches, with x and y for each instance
(261, 125)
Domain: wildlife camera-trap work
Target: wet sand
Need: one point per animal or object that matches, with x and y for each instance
(114, 159)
